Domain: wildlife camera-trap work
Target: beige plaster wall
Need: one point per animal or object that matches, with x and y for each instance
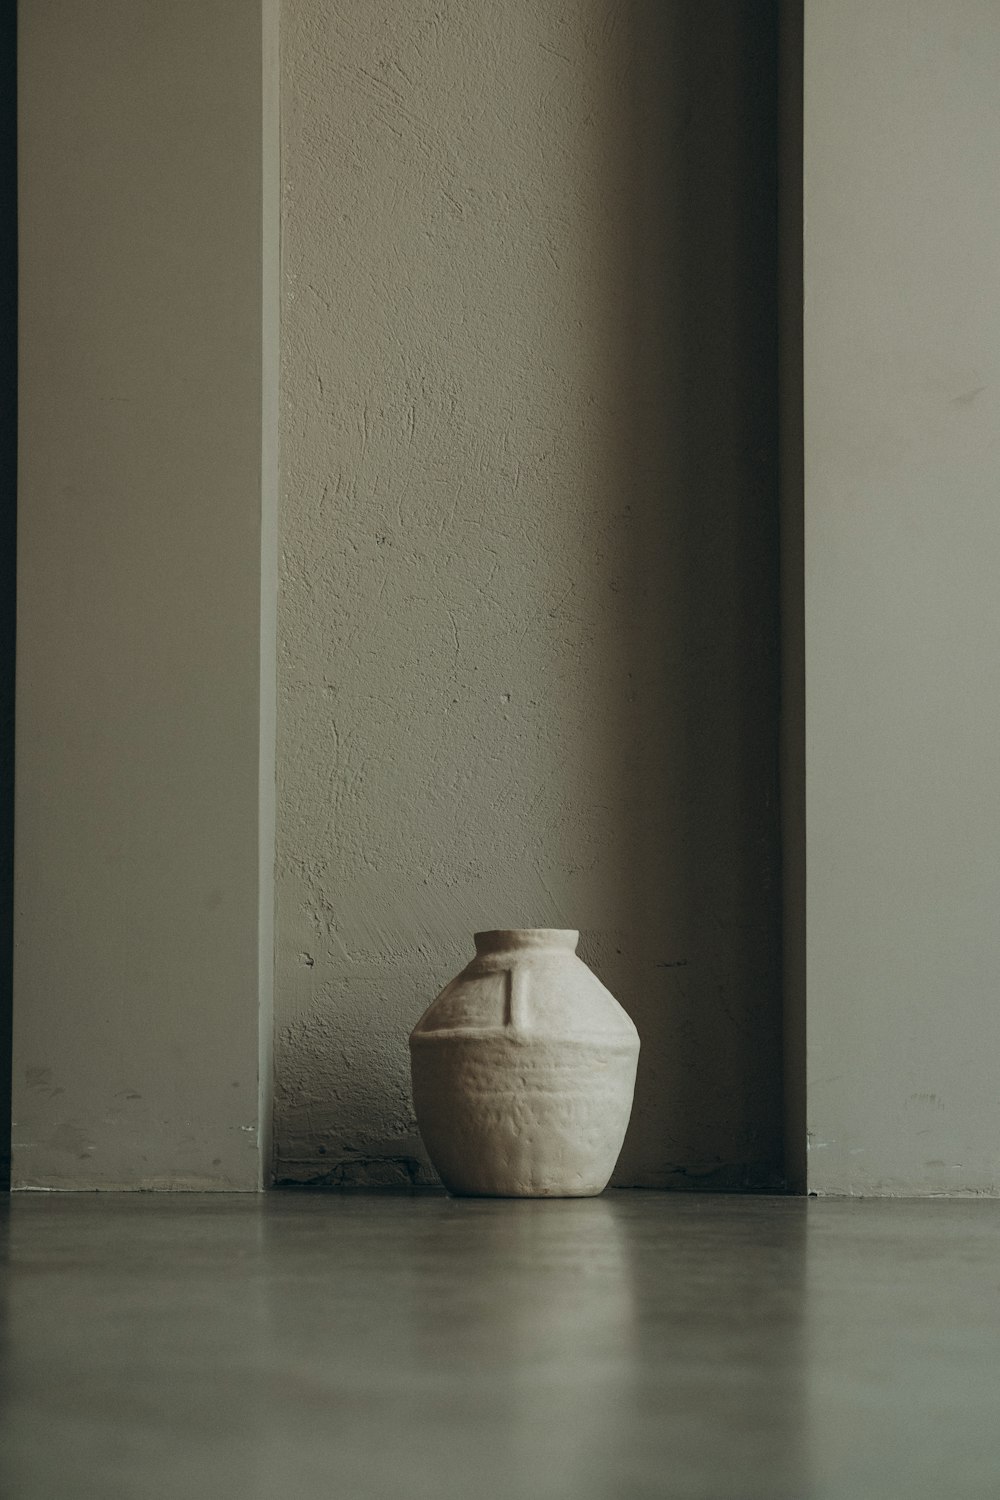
(528, 630)
(902, 453)
(142, 963)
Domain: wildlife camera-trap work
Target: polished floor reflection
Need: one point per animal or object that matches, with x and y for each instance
(639, 1344)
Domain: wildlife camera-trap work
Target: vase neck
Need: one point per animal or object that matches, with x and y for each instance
(511, 939)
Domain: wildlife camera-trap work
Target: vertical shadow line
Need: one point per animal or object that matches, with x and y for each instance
(793, 684)
(701, 465)
(8, 548)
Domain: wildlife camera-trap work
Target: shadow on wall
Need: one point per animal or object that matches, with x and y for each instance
(698, 353)
(8, 546)
(531, 570)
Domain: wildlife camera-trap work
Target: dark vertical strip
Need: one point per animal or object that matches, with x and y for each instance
(793, 748)
(755, 420)
(703, 444)
(8, 545)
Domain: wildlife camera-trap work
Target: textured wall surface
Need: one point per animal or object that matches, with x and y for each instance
(902, 429)
(528, 635)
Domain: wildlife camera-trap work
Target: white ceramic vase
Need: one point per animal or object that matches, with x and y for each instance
(523, 1071)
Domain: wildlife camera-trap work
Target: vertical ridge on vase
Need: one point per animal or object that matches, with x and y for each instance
(516, 999)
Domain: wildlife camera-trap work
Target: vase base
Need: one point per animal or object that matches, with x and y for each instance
(526, 1192)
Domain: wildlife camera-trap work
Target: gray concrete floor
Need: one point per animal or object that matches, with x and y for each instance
(638, 1344)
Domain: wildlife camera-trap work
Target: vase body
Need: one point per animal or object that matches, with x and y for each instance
(523, 1071)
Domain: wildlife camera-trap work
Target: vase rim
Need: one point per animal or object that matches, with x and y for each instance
(501, 939)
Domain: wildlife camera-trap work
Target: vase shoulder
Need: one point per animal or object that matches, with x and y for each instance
(542, 989)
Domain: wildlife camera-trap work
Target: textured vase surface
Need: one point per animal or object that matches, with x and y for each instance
(524, 1070)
